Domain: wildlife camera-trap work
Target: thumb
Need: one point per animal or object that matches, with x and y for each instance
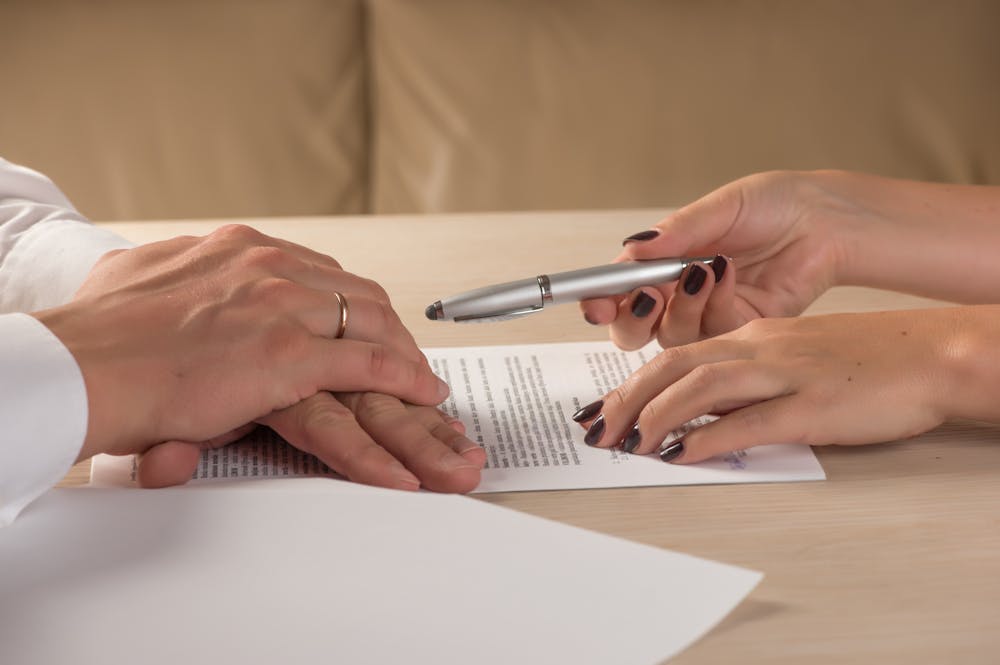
(174, 462)
(697, 229)
(167, 464)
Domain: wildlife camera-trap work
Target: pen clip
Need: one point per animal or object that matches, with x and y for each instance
(499, 316)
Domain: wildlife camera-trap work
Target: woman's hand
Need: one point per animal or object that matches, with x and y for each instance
(840, 379)
(786, 237)
(776, 238)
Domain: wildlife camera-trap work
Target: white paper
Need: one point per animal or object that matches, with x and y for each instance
(516, 402)
(341, 574)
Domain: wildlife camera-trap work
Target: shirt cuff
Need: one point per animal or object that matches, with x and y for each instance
(43, 412)
(50, 261)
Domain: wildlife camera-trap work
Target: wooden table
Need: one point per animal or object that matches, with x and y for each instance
(894, 559)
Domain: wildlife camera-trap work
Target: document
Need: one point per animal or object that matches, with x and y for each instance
(516, 402)
(324, 571)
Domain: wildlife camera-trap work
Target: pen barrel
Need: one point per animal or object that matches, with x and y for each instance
(523, 294)
(613, 279)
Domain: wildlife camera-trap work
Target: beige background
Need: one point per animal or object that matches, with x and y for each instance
(147, 109)
(142, 108)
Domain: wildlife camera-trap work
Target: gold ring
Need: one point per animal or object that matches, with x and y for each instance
(342, 326)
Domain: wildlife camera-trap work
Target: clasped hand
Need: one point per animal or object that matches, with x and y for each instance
(191, 342)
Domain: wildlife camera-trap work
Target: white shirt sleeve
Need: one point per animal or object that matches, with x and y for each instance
(46, 250)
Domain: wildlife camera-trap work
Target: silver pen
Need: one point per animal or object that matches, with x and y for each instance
(526, 296)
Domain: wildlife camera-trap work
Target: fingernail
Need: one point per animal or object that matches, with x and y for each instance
(456, 461)
(586, 317)
(719, 266)
(589, 411)
(632, 439)
(407, 480)
(673, 451)
(694, 280)
(443, 390)
(643, 305)
(593, 435)
(641, 236)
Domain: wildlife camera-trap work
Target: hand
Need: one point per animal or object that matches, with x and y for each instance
(367, 437)
(841, 379)
(191, 338)
(783, 234)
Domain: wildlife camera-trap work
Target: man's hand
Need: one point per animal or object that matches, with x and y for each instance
(370, 438)
(192, 338)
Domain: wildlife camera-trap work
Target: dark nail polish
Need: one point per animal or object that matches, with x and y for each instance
(643, 305)
(672, 452)
(641, 236)
(719, 266)
(694, 280)
(586, 317)
(589, 411)
(632, 439)
(593, 435)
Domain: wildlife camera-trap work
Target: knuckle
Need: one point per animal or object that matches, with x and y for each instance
(667, 357)
(377, 292)
(240, 233)
(651, 414)
(275, 290)
(379, 363)
(750, 420)
(704, 377)
(334, 263)
(264, 257)
(374, 405)
(618, 398)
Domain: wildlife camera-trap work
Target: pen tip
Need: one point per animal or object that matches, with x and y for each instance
(432, 311)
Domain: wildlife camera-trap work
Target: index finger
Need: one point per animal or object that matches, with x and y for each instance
(347, 365)
(320, 425)
(441, 457)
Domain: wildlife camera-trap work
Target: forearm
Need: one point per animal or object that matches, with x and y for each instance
(934, 240)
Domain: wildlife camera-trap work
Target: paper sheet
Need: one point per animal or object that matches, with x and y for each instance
(516, 402)
(341, 573)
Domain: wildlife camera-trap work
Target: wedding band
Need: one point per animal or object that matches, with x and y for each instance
(342, 326)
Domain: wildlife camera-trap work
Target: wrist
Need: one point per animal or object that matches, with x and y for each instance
(111, 414)
(969, 357)
(844, 208)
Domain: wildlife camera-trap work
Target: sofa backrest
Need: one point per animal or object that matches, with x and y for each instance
(200, 108)
(188, 108)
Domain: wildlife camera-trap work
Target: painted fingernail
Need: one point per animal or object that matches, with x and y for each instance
(641, 236)
(719, 266)
(694, 280)
(593, 435)
(632, 439)
(589, 411)
(672, 452)
(588, 319)
(643, 305)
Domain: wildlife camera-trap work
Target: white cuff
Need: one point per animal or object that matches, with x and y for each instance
(43, 412)
(50, 261)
